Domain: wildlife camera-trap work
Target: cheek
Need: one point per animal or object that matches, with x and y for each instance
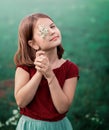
(37, 38)
(41, 43)
(59, 32)
(60, 35)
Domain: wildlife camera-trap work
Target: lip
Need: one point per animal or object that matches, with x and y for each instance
(54, 38)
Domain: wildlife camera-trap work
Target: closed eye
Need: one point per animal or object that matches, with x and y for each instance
(52, 25)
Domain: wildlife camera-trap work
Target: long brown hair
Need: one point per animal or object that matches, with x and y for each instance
(25, 54)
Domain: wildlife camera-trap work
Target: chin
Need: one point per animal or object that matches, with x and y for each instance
(57, 44)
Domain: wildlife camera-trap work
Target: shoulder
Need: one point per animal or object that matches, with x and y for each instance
(26, 68)
(71, 64)
(72, 69)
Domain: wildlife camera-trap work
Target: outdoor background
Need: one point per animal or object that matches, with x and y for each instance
(85, 30)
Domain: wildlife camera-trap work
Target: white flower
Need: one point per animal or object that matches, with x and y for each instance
(7, 122)
(1, 124)
(15, 112)
(43, 31)
(87, 116)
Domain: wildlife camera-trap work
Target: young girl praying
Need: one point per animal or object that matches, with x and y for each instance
(45, 83)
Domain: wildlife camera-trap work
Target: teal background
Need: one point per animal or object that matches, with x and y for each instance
(84, 25)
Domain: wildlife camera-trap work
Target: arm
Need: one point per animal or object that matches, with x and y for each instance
(62, 98)
(25, 88)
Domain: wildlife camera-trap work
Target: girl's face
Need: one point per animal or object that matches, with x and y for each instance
(46, 34)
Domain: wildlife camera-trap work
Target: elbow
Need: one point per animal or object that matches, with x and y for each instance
(62, 111)
(64, 108)
(20, 103)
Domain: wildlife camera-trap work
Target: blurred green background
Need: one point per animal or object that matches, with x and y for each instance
(84, 25)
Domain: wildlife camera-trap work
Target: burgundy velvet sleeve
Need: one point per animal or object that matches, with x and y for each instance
(72, 70)
(26, 68)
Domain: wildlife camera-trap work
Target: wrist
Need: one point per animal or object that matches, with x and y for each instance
(50, 79)
(48, 74)
(38, 73)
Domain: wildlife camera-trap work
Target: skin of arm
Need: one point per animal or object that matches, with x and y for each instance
(62, 98)
(25, 88)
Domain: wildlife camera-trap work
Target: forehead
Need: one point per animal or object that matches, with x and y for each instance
(44, 21)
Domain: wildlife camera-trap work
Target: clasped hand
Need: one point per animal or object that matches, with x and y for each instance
(42, 63)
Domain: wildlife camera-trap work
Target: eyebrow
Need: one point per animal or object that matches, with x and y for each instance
(51, 24)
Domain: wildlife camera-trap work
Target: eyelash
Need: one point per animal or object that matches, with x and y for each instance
(52, 26)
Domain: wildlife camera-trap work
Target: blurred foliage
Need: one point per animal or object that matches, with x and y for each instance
(85, 31)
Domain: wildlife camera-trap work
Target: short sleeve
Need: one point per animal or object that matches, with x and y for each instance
(72, 70)
(26, 68)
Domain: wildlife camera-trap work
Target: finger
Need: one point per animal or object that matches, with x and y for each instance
(41, 59)
(39, 64)
(38, 59)
(39, 53)
(38, 68)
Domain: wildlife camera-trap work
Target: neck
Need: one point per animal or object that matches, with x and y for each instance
(52, 55)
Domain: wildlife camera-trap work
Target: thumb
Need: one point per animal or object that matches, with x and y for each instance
(39, 53)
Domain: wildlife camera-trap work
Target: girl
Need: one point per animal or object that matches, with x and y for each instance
(44, 82)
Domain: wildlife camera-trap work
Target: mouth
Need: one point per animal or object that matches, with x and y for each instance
(54, 38)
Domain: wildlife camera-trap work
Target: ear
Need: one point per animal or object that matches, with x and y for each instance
(33, 45)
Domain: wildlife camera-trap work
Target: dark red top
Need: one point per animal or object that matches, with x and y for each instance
(41, 107)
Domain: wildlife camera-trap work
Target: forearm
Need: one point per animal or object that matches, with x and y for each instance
(26, 93)
(59, 98)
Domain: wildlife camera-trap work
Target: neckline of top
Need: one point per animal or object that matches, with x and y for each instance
(60, 65)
